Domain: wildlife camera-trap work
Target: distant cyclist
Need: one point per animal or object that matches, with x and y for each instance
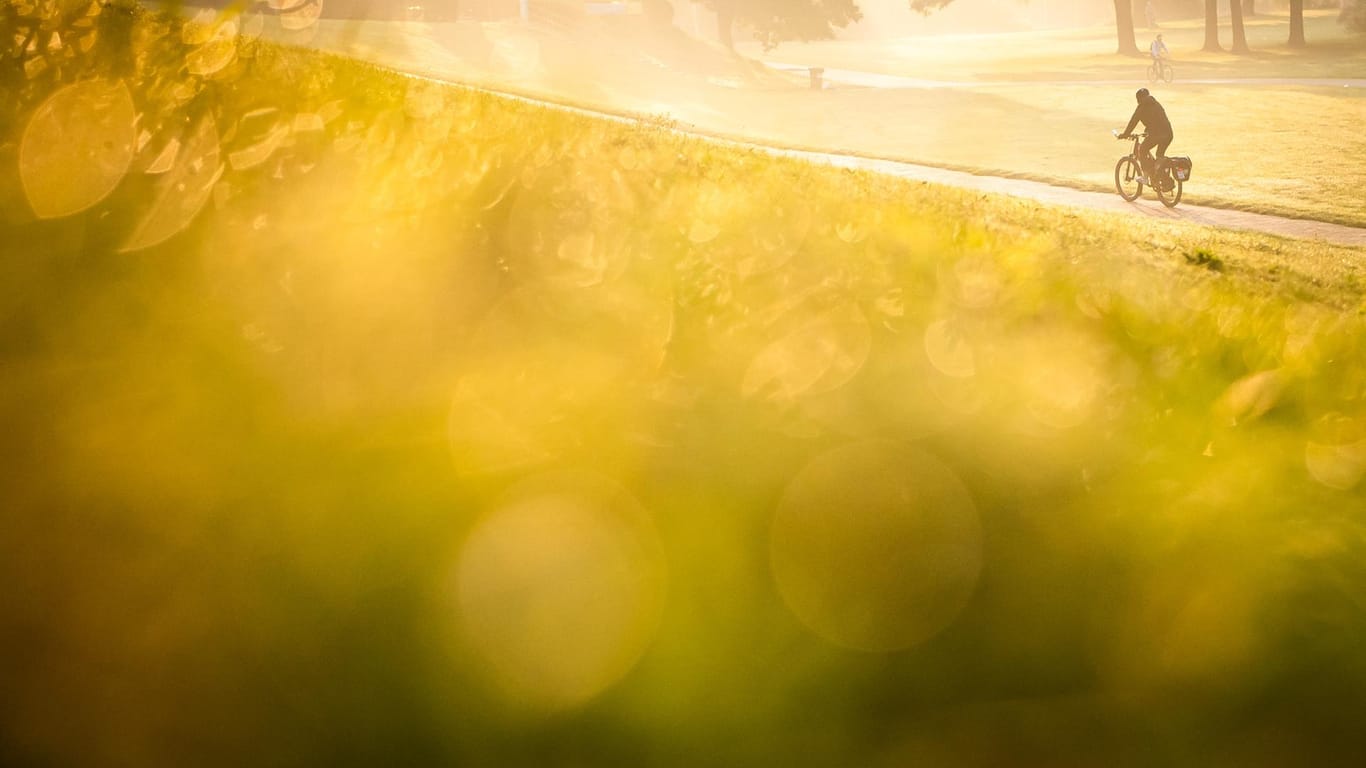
(1158, 49)
(1157, 126)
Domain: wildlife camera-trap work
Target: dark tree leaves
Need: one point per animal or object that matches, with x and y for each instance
(926, 7)
(776, 21)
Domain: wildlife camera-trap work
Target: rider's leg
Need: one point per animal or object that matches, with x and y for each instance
(1145, 157)
(1161, 145)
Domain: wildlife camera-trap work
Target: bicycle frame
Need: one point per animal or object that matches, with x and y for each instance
(1160, 69)
(1130, 169)
(1137, 153)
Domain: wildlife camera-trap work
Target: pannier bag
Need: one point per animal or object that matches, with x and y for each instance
(1181, 168)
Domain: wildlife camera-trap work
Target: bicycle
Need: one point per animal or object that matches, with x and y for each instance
(1160, 70)
(1166, 183)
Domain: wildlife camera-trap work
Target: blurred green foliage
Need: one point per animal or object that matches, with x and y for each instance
(1087, 498)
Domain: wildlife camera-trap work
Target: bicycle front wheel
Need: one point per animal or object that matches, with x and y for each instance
(1126, 179)
(1167, 72)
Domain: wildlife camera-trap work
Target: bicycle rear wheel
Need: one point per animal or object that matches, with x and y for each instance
(1126, 178)
(1152, 73)
(1167, 187)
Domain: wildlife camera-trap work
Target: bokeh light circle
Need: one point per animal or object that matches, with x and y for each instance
(560, 588)
(817, 356)
(77, 147)
(876, 547)
(544, 362)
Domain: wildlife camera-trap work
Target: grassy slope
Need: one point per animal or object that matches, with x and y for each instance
(1284, 150)
(295, 410)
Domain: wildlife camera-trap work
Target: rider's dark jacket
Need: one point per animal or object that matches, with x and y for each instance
(1153, 117)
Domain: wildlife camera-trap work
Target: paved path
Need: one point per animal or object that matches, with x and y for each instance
(1104, 201)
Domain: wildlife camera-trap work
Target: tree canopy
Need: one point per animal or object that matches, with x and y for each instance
(926, 7)
(776, 21)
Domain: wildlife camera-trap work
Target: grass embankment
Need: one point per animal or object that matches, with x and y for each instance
(1284, 150)
(279, 484)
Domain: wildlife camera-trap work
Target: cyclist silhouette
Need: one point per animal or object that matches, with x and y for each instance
(1158, 127)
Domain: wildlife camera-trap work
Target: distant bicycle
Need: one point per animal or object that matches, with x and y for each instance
(1160, 69)
(1171, 175)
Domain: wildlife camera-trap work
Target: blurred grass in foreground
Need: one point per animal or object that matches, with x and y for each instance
(354, 419)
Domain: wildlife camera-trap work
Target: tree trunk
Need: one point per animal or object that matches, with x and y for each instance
(1124, 27)
(1212, 27)
(1235, 12)
(1296, 24)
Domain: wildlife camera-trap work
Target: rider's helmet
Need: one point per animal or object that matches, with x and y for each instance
(1140, 95)
(1159, 36)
